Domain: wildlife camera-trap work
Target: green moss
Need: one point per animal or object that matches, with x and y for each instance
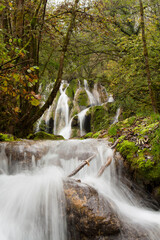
(82, 98)
(6, 137)
(155, 142)
(89, 135)
(70, 91)
(121, 138)
(148, 128)
(112, 131)
(96, 135)
(105, 136)
(44, 136)
(111, 140)
(99, 118)
(142, 163)
(127, 149)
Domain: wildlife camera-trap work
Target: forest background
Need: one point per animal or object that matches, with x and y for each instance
(114, 43)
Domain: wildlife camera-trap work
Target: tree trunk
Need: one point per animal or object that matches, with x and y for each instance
(20, 18)
(145, 52)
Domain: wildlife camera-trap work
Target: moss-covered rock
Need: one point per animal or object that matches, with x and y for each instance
(6, 137)
(82, 98)
(44, 136)
(101, 117)
(139, 144)
(71, 90)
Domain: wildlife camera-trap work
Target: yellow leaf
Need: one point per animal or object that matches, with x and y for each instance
(16, 109)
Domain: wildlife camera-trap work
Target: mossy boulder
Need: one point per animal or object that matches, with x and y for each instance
(101, 116)
(6, 137)
(71, 90)
(139, 144)
(82, 98)
(44, 136)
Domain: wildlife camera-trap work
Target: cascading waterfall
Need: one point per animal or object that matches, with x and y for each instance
(110, 98)
(32, 202)
(91, 97)
(81, 117)
(117, 115)
(61, 119)
(62, 122)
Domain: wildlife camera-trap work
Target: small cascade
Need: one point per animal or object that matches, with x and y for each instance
(81, 117)
(91, 97)
(61, 119)
(117, 116)
(96, 94)
(110, 98)
(66, 131)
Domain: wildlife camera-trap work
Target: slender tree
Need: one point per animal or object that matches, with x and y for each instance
(146, 57)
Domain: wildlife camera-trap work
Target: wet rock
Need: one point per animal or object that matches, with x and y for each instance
(24, 151)
(89, 214)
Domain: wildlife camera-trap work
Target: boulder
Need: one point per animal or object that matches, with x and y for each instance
(88, 213)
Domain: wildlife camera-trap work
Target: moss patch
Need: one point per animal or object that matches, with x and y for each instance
(44, 136)
(6, 137)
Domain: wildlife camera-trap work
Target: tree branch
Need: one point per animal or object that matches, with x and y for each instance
(85, 162)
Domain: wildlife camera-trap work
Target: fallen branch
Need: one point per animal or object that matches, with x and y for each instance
(85, 162)
(101, 170)
(103, 167)
(115, 144)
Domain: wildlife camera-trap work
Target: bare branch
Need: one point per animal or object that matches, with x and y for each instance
(115, 144)
(85, 162)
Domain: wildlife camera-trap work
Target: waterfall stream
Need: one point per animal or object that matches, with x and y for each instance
(32, 202)
(62, 118)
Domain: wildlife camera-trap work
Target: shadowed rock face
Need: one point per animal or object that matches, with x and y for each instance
(88, 213)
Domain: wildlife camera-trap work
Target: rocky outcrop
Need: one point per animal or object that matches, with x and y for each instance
(88, 213)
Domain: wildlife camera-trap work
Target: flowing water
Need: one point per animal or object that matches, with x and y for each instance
(81, 117)
(32, 202)
(61, 119)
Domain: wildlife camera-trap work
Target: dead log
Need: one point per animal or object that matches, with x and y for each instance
(85, 162)
(107, 163)
(115, 144)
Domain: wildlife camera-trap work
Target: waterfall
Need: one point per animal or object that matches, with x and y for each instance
(117, 116)
(32, 202)
(92, 99)
(96, 94)
(81, 117)
(61, 119)
(110, 98)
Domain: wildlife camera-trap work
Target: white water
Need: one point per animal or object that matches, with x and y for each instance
(117, 116)
(81, 117)
(32, 202)
(110, 98)
(96, 94)
(91, 97)
(61, 119)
